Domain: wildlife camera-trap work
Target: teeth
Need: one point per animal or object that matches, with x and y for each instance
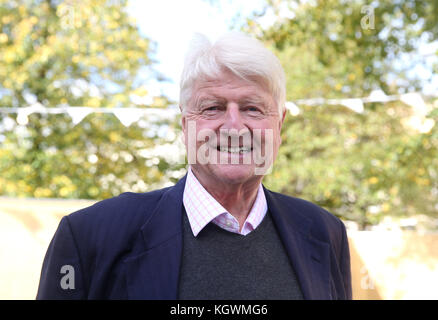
(235, 149)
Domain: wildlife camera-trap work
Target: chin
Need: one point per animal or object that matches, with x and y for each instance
(234, 173)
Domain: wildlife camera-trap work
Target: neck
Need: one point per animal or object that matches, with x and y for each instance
(237, 199)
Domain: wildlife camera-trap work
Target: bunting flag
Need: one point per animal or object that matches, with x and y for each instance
(418, 121)
(128, 116)
(77, 114)
(354, 104)
(379, 96)
(417, 103)
(293, 108)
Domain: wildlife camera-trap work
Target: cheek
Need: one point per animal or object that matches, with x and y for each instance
(199, 131)
(267, 129)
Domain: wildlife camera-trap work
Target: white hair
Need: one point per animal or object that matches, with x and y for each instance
(245, 57)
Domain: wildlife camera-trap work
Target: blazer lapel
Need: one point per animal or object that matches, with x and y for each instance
(310, 257)
(153, 273)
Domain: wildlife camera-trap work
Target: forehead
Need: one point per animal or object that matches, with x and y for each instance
(230, 87)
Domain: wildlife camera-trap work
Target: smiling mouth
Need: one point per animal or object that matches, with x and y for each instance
(235, 150)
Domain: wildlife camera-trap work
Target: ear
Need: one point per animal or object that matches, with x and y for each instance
(183, 125)
(280, 124)
(283, 116)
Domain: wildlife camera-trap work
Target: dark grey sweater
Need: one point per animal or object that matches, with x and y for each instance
(219, 264)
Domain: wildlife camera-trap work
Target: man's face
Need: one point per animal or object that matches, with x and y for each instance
(242, 123)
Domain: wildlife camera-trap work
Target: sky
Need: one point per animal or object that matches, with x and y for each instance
(172, 23)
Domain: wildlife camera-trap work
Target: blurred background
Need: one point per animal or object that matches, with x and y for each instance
(88, 110)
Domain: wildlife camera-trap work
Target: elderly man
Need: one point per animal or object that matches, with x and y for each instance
(218, 233)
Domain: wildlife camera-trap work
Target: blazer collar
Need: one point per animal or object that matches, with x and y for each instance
(166, 220)
(153, 272)
(310, 257)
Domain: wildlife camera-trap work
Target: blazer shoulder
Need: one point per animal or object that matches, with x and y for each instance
(312, 209)
(324, 223)
(113, 223)
(126, 206)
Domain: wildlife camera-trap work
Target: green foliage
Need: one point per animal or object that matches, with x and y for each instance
(90, 53)
(78, 53)
(359, 166)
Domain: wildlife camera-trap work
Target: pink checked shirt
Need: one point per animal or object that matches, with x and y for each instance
(202, 208)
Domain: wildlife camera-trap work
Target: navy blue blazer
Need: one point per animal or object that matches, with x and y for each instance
(130, 247)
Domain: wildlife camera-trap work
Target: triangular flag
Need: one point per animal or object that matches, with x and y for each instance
(354, 104)
(415, 100)
(77, 114)
(36, 107)
(127, 116)
(293, 108)
(378, 96)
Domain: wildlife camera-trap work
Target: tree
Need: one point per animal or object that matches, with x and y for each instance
(77, 53)
(359, 166)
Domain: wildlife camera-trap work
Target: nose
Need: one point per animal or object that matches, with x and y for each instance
(233, 118)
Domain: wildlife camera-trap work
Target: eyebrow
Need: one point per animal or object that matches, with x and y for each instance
(205, 100)
(245, 100)
(256, 100)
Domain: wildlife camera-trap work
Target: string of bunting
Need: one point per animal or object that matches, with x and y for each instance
(413, 99)
(126, 116)
(129, 115)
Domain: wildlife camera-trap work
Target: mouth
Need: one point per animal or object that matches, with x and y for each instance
(235, 150)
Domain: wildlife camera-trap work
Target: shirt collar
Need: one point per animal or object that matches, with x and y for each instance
(202, 208)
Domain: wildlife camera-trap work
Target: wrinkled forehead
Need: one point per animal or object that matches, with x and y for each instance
(228, 85)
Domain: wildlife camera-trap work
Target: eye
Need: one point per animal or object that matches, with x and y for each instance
(253, 109)
(211, 109)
